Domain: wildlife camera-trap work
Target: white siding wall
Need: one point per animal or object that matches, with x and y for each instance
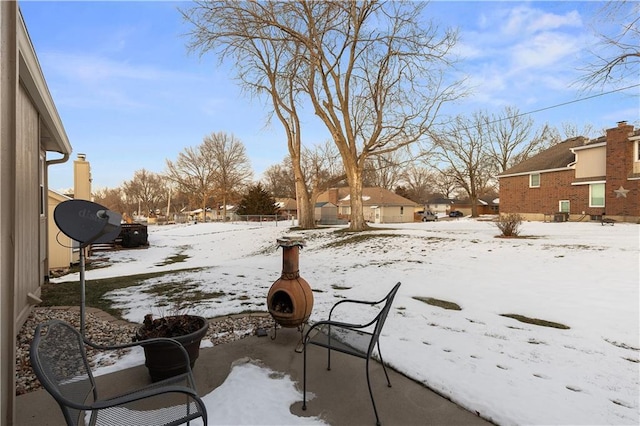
(27, 205)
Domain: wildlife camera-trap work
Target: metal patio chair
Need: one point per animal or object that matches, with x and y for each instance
(59, 360)
(350, 339)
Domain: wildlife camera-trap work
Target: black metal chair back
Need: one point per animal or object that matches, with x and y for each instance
(59, 360)
(350, 339)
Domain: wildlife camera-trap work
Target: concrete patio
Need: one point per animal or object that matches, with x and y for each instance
(341, 396)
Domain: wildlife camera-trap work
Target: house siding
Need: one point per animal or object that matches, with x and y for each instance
(27, 205)
(29, 126)
(534, 203)
(8, 251)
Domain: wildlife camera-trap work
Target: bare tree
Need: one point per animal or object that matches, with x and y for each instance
(321, 169)
(279, 180)
(445, 183)
(463, 146)
(194, 173)
(267, 64)
(114, 199)
(373, 72)
(568, 130)
(385, 170)
(616, 59)
(419, 183)
(512, 138)
(148, 189)
(232, 171)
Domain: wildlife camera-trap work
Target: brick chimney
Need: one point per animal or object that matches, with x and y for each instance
(619, 169)
(82, 178)
(333, 196)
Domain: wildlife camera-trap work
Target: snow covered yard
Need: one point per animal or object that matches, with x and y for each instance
(581, 275)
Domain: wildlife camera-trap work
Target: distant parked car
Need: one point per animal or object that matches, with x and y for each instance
(455, 213)
(429, 216)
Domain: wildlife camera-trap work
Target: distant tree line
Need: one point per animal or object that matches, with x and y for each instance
(461, 164)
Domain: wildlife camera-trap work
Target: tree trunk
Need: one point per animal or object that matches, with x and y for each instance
(354, 178)
(224, 208)
(474, 205)
(305, 209)
(306, 218)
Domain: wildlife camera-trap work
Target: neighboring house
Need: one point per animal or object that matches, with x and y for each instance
(63, 251)
(582, 178)
(287, 207)
(440, 206)
(380, 205)
(30, 128)
(200, 215)
(326, 213)
(232, 214)
(485, 206)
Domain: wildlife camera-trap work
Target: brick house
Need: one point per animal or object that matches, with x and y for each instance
(585, 179)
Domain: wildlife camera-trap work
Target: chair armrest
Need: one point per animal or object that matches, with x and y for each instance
(143, 393)
(132, 344)
(354, 301)
(337, 324)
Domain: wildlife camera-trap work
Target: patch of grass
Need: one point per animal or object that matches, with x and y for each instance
(339, 287)
(68, 293)
(176, 258)
(621, 345)
(536, 321)
(439, 303)
(357, 238)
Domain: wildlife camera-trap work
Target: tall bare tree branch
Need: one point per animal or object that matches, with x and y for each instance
(373, 72)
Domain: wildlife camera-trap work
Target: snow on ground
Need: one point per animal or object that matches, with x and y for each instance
(582, 275)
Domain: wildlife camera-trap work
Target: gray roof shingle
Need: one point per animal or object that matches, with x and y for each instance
(558, 156)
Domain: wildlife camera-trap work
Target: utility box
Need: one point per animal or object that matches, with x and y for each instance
(561, 217)
(133, 235)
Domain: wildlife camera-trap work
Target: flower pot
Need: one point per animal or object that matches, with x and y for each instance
(166, 360)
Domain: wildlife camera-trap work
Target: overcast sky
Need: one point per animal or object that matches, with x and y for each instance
(130, 95)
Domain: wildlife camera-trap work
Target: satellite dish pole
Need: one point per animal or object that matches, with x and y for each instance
(86, 223)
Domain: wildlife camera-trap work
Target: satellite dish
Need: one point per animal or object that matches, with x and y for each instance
(87, 222)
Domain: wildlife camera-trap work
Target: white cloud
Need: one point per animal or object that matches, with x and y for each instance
(524, 20)
(94, 68)
(550, 21)
(543, 50)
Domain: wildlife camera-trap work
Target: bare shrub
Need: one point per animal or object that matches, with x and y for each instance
(509, 224)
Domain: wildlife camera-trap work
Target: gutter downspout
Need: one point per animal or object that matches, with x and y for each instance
(64, 159)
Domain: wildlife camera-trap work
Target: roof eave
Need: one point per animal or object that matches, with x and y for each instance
(561, 169)
(54, 136)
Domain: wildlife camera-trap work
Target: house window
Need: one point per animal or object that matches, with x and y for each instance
(596, 195)
(401, 210)
(636, 151)
(534, 180)
(564, 206)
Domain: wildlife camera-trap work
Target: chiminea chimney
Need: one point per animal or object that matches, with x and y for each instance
(622, 123)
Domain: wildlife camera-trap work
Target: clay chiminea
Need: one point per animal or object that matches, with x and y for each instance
(290, 298)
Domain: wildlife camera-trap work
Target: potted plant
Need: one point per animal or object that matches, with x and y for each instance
(165, 360)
